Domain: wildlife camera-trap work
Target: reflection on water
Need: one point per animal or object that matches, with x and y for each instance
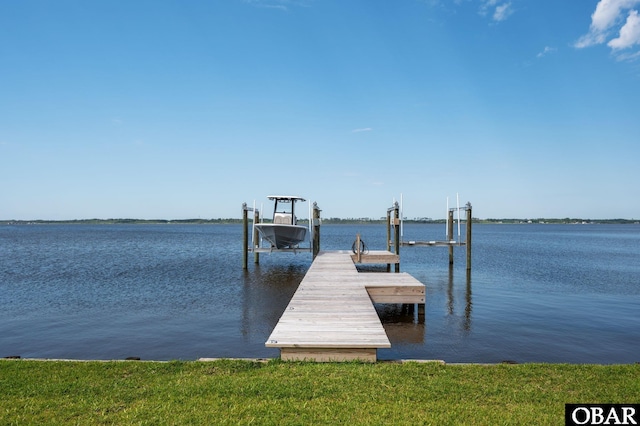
(403, 323)
(451, 305)
(406, 323)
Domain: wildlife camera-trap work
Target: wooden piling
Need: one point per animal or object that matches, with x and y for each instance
(245, 237)
(388, 236)
(256, 219)
(316, 230)
(396, 228)
(396, 233)
(450, 235)
(389, 230)
(468, 242)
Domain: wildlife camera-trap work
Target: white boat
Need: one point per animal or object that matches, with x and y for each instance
(283, 232)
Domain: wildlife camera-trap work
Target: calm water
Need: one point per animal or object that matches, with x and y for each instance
(543, 293)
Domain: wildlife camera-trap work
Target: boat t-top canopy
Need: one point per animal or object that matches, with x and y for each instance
(286, 197)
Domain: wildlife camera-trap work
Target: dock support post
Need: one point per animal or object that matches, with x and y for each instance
(316, 230)
(245, 236)
(388, 236)
(469, 221)
(450, 235)
(396, 228)
(256, 219)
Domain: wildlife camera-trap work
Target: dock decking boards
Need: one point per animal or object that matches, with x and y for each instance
(331, 316)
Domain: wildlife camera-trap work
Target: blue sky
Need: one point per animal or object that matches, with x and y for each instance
(187, 109)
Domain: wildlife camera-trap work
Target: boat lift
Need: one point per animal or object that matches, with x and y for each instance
(449, 241)
(255, 245)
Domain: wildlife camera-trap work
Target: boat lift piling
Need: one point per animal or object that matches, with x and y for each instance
(396, 233)
(245, 234)
(256, 218)
(315, 230)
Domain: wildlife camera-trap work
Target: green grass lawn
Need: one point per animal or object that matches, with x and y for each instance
(245, 392)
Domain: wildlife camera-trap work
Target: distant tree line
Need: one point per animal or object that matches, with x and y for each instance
(565, 220)
(121, 221)
(331, 220)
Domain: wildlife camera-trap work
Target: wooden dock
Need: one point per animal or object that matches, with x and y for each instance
(331, 316)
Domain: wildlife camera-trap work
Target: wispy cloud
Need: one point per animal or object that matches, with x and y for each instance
(546, 51)
(283, 5)
(609, 19)
(499, 10)
(364, 129)
(496, 10)
(628, 57)
(502, 12)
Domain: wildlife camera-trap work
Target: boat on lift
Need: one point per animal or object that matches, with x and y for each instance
(284, 231)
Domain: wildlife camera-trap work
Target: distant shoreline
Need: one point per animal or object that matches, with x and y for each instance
(330, 221)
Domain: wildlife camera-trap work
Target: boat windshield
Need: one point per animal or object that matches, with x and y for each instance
(284, 206)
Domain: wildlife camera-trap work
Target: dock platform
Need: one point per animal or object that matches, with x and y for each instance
(375, 256)
(331, 316)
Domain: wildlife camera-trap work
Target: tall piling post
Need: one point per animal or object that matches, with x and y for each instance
(389, 230)
(256, 219)
(469, 222)
(388, 236)
(450, 235)
(396, 228)
(316, 230)
(245, 236)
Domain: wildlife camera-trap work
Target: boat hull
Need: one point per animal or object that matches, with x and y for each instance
(282, 236)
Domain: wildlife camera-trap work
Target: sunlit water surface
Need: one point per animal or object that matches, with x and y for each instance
(536, 293)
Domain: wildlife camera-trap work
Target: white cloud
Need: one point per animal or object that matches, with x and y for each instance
(365, 129)
(608, 14)
(629, 33)
(628, 57)
(498, 9)
(502, 12)
(283, 5)
(546, 50)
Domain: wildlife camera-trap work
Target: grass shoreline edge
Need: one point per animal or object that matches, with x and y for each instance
(271, 391)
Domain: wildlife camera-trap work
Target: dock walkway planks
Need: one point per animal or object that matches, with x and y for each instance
(331, 316)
